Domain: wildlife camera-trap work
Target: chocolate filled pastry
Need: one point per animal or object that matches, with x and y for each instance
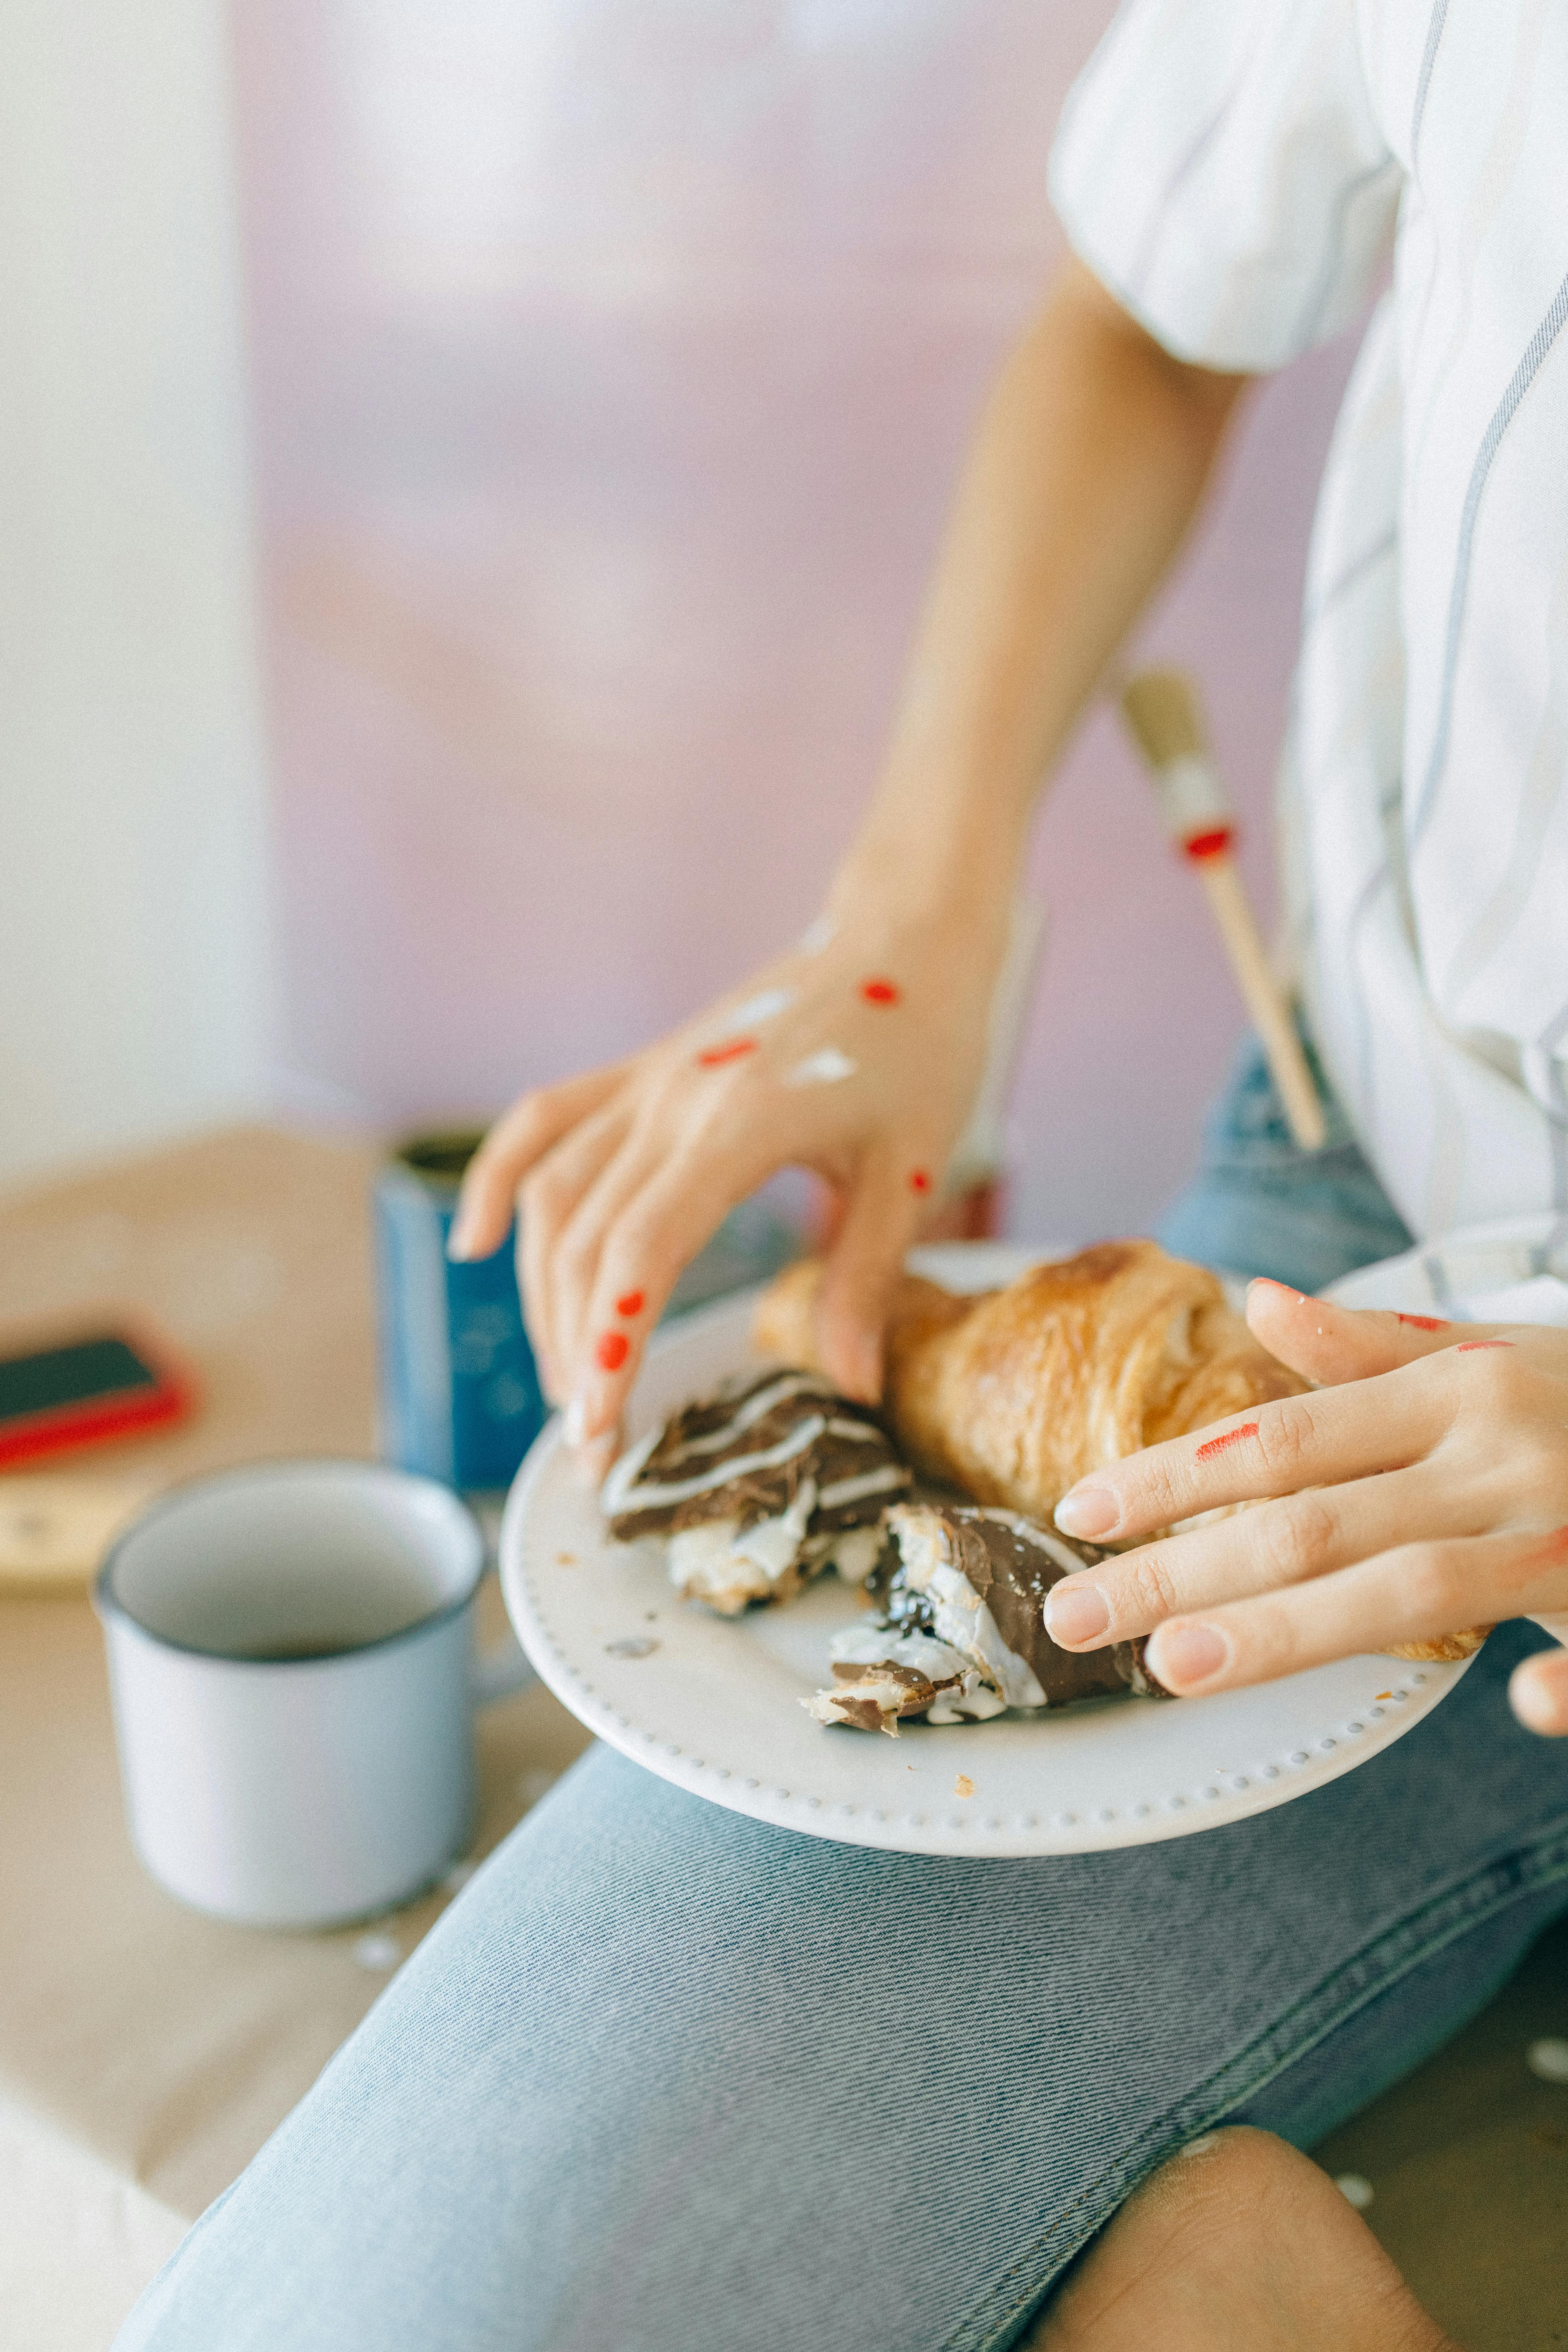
(1013, 1395)
(960, 1630)
(758, 1489)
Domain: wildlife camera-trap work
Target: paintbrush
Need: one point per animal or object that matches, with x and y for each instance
(1162, 710)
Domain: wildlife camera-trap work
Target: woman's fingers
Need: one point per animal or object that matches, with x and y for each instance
(520, 1137)
(1273, 1449)
(1331, 1344)
(659, 1228)
(1414, 1593)
(1256, 1550)
(889, 1196)
(1538, 1692)
(549, 1198)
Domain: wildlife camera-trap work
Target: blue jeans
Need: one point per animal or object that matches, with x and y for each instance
(667, 2080)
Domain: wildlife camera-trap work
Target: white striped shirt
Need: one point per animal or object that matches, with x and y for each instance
(1236, 172)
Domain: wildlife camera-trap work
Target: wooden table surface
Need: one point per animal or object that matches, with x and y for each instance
(145, 2053)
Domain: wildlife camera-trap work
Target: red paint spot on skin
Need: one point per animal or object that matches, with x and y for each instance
(630, 1304)
(920, 1181)
(613, 1350)
(1426, 1322)
(717, 1055)
(1469, 1347)
(1208, 845)
(1232, 1437)
(879, 991)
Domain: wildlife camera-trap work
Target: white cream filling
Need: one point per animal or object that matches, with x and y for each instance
(713, 1563)
(854, 1553)
(878, 1645)
(966, 1697)
(976, 1701)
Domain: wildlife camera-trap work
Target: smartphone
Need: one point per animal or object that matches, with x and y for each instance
(84, 1389)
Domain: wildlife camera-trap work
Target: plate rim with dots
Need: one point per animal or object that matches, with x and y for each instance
(712, 1708)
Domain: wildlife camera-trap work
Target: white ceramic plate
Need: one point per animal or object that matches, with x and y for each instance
(713, 1704)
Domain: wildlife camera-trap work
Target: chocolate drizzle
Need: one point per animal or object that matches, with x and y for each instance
(973, 1581)
(745, 1455)
(758, 1488)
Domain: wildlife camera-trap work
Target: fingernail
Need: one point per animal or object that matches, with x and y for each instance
(460, 1240)
(1181, 1655)
(1076, 1612)
(1538, 1694)
(1089, 1511)
(590, 1462)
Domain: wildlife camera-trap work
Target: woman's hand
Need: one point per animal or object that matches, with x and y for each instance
(859, 1056)
(1422, 1490)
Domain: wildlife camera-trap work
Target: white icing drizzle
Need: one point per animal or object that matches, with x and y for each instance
(818, 935)
(826, 1068)
(620, 1491)
(624, 1470)
(756, 1408)
(869, 1481)
(681, 1490)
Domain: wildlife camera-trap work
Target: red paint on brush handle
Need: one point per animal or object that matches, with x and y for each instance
(1200, 845)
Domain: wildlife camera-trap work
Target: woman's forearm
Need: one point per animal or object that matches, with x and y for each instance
(1089, 464)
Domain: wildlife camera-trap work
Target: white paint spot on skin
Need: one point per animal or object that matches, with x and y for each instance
(818, 935)
(1355, 2188)
(758, 1009)
(823, 1068)
(1548, 2060)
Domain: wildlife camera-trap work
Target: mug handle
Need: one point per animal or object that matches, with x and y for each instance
(499, 1671)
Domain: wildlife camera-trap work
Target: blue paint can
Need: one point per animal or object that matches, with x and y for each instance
(459, 1396)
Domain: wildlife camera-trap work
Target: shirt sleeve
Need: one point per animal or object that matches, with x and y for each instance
(1220, 169)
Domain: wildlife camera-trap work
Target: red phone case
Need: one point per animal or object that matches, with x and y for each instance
(111, 1413)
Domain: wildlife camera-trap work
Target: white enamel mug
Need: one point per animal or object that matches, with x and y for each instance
(290, 1655)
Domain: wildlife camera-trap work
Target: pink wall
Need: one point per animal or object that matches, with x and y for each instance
(612, 364)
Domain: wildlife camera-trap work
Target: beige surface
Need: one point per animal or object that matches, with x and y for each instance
(145, 2053)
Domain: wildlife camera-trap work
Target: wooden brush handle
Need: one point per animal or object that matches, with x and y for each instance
(1222, 880)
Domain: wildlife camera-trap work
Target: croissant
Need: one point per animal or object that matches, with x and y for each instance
(1013, 1395)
